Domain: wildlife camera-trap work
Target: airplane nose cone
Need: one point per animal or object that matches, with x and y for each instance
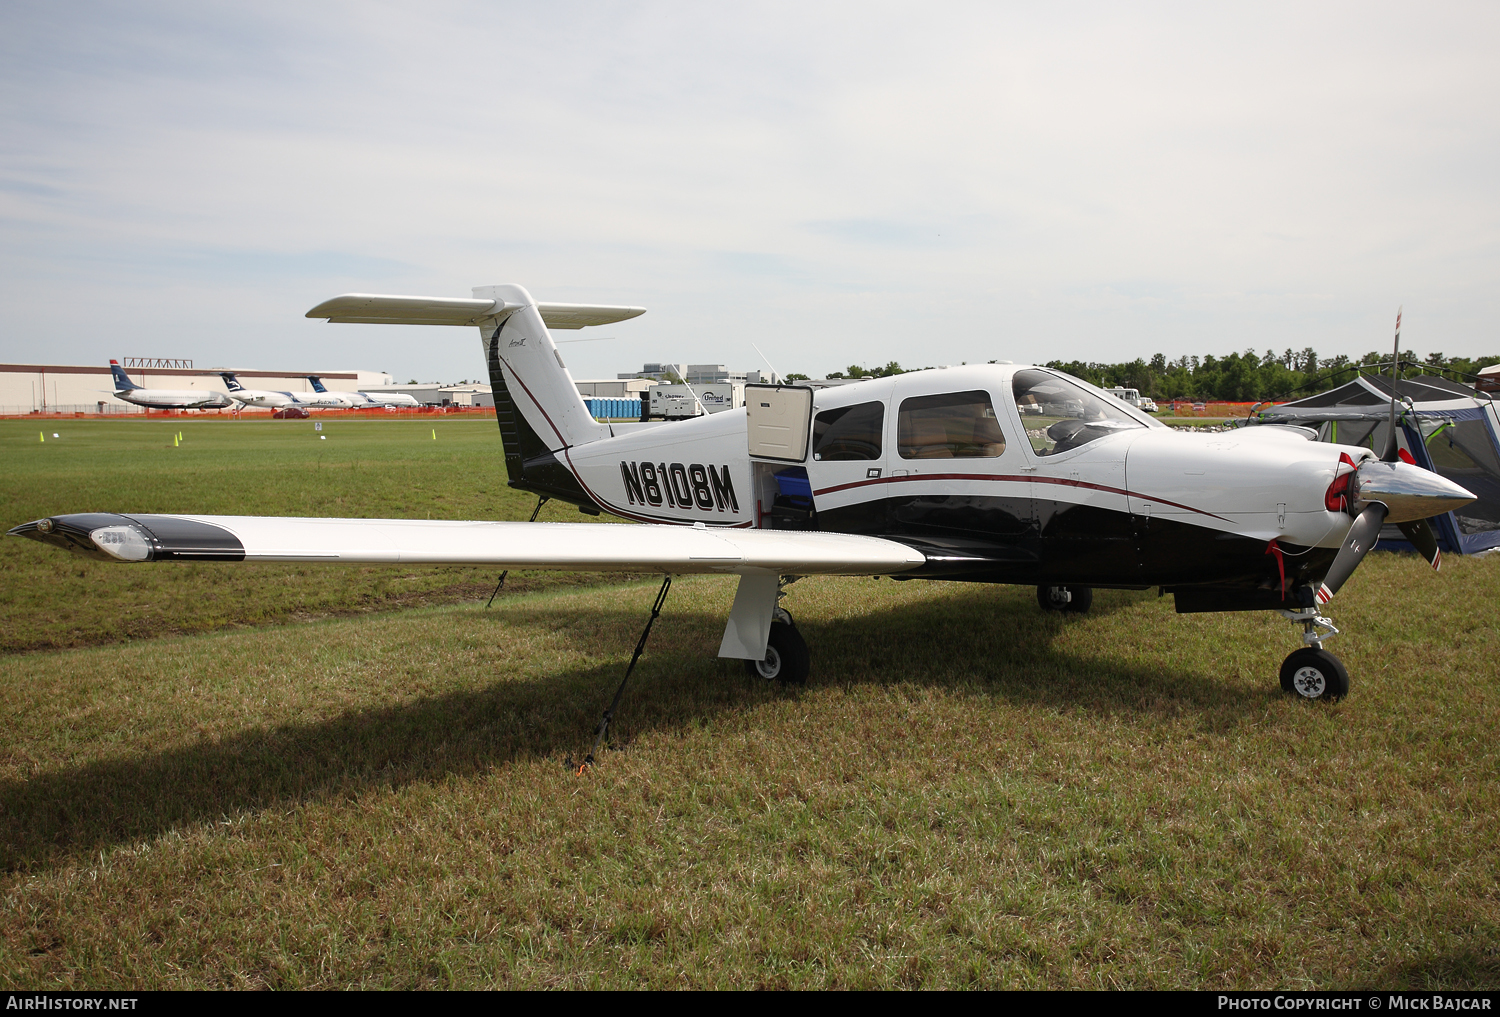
(1408, 492)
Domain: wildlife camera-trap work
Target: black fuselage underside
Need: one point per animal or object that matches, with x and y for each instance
(1030, 541)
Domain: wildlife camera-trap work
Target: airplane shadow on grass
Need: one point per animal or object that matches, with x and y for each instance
(955, 642)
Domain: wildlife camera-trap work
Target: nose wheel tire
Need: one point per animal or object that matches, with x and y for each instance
(787, 659)
(1076, 599)
(1311, 673)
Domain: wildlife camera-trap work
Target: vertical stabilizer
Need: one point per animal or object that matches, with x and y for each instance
(231, 382)
(317, 383)
(122, 380)
(526, 367)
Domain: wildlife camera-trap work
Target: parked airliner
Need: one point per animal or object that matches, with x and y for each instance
(162, 398)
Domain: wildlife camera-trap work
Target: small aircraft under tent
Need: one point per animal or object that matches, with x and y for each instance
(991, 473)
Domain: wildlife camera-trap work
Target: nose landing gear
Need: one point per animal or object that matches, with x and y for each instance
(1312, 672)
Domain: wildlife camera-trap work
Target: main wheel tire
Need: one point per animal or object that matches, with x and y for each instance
(787, 659)
(1311, 673)
(1057, 598)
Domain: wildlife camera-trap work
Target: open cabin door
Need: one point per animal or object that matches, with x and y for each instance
(778, 422)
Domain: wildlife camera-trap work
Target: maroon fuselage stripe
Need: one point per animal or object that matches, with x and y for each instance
(1016, 480)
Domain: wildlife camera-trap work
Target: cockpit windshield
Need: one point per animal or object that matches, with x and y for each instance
(1061, 415)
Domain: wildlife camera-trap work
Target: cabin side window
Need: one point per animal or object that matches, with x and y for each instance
(849, 432)
(954, 425)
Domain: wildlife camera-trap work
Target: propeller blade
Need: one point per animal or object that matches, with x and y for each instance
(1362, 537)
(1419, 532)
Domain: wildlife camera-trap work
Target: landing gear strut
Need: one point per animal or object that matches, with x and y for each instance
(1312, 672)
(1076, 599)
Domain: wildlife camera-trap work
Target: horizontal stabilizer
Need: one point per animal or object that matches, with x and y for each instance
(574, 547)
(395, 310)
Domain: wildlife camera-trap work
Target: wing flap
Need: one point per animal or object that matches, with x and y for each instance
(577, 547)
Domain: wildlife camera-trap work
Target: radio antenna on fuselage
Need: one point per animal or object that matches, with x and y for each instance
(775, 375)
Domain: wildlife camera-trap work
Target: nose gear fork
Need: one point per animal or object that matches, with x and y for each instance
(1313, 673)
(1312, 623)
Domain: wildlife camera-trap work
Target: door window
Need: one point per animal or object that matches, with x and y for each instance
(850, 432)
(954, 425)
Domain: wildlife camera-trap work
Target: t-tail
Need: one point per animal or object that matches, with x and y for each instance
(122, 380)
(317, 383)
(231, 382)
(539, 408)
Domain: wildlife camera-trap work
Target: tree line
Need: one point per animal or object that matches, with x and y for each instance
(1238, 377)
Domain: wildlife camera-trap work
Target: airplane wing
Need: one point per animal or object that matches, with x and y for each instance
(395, 310)
(577, 547)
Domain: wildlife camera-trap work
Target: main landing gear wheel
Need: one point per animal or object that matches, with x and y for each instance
(1314, 673)
(1076, 599)
(787, 660)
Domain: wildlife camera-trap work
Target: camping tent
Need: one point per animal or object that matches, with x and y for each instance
(1446, 427)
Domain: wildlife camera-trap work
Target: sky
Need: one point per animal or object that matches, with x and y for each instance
(835, 183)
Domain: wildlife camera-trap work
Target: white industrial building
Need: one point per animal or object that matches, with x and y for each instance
(695, 374)
(71, 388)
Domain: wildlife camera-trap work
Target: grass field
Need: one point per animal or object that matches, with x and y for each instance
(967, 793)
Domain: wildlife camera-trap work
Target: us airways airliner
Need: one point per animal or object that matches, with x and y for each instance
(992, 473)
(162, 398)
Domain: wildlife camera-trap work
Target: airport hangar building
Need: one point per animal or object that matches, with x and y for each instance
(63, 388)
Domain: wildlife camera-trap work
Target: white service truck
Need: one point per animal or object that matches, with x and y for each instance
(1133, 397)
(676, 402)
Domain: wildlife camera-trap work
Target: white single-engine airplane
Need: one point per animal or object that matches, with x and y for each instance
(163, 398)
(988, 474)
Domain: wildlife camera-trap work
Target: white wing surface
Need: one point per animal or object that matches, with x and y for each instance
(577, 547)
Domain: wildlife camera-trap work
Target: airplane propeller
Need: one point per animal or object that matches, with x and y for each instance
(1394, 487)
(1362, 537)
(1417, 531)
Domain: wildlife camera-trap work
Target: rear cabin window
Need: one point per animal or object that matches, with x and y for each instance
(954, 425)
(850, 432)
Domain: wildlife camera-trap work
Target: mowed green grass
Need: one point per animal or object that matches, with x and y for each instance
(371, 469)
(968, 793)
